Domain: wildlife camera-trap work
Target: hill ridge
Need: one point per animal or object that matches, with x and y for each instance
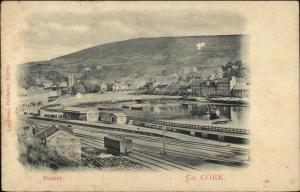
(145, 55)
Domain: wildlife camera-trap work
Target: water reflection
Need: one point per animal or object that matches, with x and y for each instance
(180, 111)
(186, 112)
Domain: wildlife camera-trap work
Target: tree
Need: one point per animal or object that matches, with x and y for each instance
(148, 86)
(237, 69)
(55, 76)
(97, 88)
(90, 86)
(188, 78)
(27, 81)
(78, 88)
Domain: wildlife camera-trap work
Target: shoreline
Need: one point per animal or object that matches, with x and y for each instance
(130, 96)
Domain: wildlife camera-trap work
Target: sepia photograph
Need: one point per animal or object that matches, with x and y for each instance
(153, 100)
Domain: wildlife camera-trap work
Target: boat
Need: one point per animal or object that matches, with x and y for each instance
(214, 113)
(220, 121)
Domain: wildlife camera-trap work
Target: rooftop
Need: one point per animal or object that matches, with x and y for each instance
(119, 138)
(241, 86)
(34, 90)
(241, 79)
(78, 109)
(161, 86)
(119, 114)
(116, 113)
(222, 80)
(46, 133)
(53, 109)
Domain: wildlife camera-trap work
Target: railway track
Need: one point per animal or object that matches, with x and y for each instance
(218, 160)
(204, 147)
(196, 145)
(91, 141)
(170, 151)
(192, 145)
(171, 141)
(173, 165)
(147, 160)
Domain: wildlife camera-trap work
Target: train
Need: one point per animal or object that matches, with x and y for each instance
(117, 144)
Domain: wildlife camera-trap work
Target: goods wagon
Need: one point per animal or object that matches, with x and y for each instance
(117, 144)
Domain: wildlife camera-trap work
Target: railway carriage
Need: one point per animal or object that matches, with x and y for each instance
(117, 144)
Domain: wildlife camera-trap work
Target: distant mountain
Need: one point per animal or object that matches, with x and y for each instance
(144, 55)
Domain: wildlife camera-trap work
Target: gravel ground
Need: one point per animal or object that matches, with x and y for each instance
(118, 162)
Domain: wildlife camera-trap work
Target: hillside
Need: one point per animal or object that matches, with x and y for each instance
(143, 55)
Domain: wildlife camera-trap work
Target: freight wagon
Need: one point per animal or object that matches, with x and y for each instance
(117, 144)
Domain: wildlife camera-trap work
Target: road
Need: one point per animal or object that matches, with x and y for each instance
(69, 100)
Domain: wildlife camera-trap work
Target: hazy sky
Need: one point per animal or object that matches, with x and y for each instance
(51, 34)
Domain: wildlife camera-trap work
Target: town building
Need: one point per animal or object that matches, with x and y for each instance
(120, 87)
(138, 83)
(224, 86)
(196, 87)
(161, 89)
(208, 88)
(32, 99)
(47, 84)
(82, 114)
(110, 86)
(217, 87)
(113, 117)
(62, 142)
(240, 90)
(241, 80)
(71, 80)
(62, 90)
(174, 88)
(62, 84)
(172, 78)
(51, 113)
(103, 86)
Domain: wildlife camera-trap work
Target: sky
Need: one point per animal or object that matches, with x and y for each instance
(50, 34)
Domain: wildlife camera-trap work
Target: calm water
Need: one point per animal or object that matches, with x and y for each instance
(178, 111)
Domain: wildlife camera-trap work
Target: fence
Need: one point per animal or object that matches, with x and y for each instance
(190, 126)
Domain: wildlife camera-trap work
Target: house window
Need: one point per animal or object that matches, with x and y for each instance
(113, 119)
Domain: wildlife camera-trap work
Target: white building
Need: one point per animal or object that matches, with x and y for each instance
(32, 99)
(103, 87)
(63, 84)
(80, 113)
(240, 90)
(120, 87)
(52, 113)
(113, 117)
(224, 86)
(71, 79)
(47, 84)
